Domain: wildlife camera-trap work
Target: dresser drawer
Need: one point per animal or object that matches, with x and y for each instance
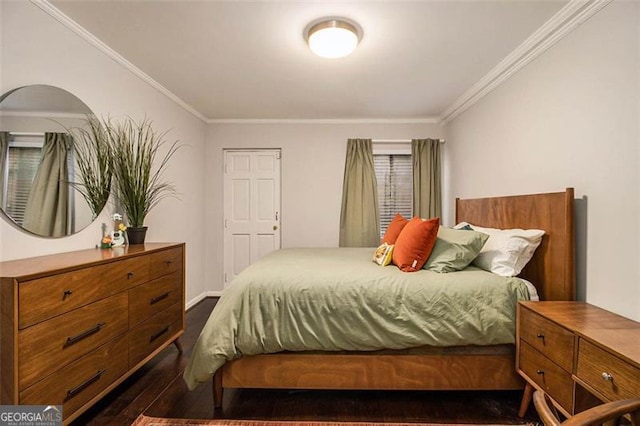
(78, 382)
(148, 299)
(48, 346)
(593, 366)
(550, 339)
(555, 381)
(61, 293)
(166, 262)
(151, 334)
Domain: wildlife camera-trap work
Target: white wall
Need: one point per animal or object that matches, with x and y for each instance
(36, 49)
(570, 118)
(313, 157)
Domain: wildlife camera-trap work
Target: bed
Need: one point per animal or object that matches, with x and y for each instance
(480, 365)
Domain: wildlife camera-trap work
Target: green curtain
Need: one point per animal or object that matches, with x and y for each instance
(427, 178)
(4, 151)
(47, 209)
(359, 218)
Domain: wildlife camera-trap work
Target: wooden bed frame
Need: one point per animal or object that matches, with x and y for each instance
(551, 270)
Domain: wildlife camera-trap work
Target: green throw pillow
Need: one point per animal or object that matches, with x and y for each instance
(455, 249)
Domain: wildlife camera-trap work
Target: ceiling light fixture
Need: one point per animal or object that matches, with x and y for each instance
(332, 37)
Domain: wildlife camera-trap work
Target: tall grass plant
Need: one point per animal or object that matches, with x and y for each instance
(138, 163)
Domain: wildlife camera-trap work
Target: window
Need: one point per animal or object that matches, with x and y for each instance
(394, 173)
(23, 159)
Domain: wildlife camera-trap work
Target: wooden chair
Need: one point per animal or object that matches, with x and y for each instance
(605, 414)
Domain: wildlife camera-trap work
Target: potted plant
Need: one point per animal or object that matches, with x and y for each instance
(138, 165)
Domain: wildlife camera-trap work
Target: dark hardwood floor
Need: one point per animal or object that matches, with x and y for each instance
(158, 390)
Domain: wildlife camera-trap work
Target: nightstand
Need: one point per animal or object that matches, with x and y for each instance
(578, 354)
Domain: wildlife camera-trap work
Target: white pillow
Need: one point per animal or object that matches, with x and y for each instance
(507, 251)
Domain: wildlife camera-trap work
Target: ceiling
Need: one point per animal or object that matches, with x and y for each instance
(239, 59)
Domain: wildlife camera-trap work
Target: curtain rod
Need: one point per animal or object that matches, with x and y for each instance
(397, 140)
(26, 134)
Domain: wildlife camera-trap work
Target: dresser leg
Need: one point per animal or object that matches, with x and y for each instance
(526, 399)
(178, 345)
(217, 389)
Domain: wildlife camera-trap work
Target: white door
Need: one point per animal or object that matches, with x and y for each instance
(251, 208)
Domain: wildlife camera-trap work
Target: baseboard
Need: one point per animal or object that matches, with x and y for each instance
(199, 298)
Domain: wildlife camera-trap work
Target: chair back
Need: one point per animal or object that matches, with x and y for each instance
(609, 413)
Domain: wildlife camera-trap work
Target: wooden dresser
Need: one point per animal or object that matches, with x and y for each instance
(578, 354)
(75, 325)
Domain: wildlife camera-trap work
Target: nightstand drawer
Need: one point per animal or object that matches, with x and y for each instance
(555, 382)
(548, 338)
(80, 381)
(607, 374)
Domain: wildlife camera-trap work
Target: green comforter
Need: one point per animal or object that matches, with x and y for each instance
(335, 299)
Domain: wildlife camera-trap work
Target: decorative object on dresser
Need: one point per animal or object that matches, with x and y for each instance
(75, 325)
(579, 355)
(137, 170)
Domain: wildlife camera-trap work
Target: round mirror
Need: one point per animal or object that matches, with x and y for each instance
(39, 173)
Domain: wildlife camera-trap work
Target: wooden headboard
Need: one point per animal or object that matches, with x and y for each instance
(552, 268)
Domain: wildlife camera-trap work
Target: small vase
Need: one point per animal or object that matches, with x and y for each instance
(136, 235)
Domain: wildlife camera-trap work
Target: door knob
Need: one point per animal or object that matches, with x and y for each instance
(275, 227)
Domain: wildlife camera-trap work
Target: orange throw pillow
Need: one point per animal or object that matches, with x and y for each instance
(415, 243)
(393, 230)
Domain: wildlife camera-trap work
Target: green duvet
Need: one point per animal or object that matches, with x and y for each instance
(334, 299)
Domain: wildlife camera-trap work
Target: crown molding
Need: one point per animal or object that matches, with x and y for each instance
(425, 120)
(562, 23)
(575, 13)
(59, 16)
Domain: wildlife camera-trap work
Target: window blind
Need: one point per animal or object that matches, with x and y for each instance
(394, 174)
(23, 164)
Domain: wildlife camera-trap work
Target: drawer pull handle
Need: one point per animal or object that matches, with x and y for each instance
(75, 339)
(159, 333)
(66, 293)
(169, 262)
(540, 372)
(129, 275)
(541, 337)
(73, 392)
(607, 376)
(156, 299)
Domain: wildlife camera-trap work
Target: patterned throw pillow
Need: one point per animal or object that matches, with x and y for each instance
(383, 254)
